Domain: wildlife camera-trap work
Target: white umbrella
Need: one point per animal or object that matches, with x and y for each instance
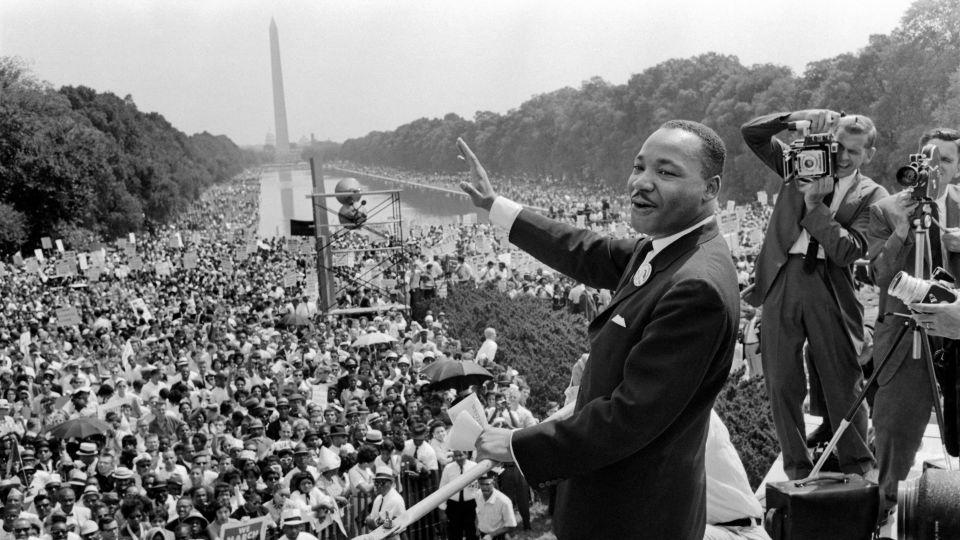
(373, 338)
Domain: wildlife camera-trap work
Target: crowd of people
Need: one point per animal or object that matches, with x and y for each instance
(161, 385)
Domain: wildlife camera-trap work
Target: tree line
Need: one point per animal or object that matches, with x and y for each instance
(906, 81)
(81, 165)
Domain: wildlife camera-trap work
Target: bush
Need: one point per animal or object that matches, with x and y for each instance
(13, 228)
(745, 409)
(538, 342)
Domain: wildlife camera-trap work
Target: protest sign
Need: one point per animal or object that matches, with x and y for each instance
(46, 242)
(93, 274)
(731, 206)
(60, 245)
(163, 268)
(38, 253)
(581, 220)
(227, 266)
(82, 258)
(729, 224)
(251, 529)
(31, 265)
(68, 316)
(190, 260)
(318, 394)
(64, 268)
(18, 259)
(136, 264)
(762, 197)
(290, 279)
(470, 219)
(133, 238)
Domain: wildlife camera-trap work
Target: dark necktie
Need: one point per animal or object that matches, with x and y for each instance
(461, 474)
(813, 247)
(936, 248)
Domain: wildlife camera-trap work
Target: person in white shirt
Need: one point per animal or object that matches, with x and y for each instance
(461, 508)
(388, 504)
(488, 349)
(494, 511)
(419, 449)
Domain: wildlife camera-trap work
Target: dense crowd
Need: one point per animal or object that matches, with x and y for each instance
(174, 382)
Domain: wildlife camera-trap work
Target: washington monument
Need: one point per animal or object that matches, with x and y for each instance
(279, 104)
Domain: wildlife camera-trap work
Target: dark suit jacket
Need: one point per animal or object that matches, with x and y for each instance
(890, 254)
(842, 236)
(631, 456)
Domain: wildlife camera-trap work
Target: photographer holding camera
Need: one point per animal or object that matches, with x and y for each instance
(903, 400)
(804, 278)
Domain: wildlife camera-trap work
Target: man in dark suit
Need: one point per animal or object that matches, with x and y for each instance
(630, 460)
(903, 400)
(804, 281)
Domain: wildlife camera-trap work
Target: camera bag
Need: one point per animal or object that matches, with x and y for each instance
(832, 506)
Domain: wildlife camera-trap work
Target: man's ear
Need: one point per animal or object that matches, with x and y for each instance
(868, 155)
(712, 188)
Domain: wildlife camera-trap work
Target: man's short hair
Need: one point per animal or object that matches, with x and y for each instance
(858, 124)
(714, 152)
(943, 134)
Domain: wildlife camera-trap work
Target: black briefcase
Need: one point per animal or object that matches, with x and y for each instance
(832, 506)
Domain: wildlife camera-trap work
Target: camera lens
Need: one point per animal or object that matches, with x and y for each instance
(907, 176)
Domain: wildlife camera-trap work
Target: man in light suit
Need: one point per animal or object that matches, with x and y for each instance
(804, 281)
(630, 460)
(903, 400)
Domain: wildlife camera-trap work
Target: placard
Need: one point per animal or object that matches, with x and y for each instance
(729, 224)
(731, 206)
(190, 260)
(93, 274)
(290, 279)
(136, 264)
(82, 259)
(762, 197)
(38, 253)
(251, 529)
(64, 268)
(18, 259)
(227, 266)
(46, 243)
(31, 265)
(60, 245)
(68, 316)
(163, 268)
(318, 394)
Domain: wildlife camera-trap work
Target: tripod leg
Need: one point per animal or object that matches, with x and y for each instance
(935, 393)
(847, 418)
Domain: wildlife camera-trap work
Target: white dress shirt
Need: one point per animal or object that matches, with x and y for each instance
(839, 192)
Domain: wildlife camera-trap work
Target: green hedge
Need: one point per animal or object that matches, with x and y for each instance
(543, 345)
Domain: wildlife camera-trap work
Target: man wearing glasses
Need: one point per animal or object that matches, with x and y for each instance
(109, 528)
(22, 530)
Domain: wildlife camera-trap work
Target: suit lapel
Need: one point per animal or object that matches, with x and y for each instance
(663, 260)
(851, 201)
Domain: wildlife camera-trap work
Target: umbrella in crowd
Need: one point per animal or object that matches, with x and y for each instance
(79, 428)
(373, 338)
(458, 374)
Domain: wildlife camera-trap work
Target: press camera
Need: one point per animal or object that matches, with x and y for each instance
(922, 174)
(811, 157)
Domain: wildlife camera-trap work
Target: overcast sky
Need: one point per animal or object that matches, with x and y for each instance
(353, 66)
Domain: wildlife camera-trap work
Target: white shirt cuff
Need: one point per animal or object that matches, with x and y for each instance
(504, 212)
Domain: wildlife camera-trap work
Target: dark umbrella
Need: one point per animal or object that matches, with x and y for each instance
(458, 374)
(79, 428)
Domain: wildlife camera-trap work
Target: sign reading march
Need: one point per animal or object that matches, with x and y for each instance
(253, 529)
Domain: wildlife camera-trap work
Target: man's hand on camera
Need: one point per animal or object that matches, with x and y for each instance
(815, 190)
(939, 319)
(901, 212)
(478, 188)
(821, 120)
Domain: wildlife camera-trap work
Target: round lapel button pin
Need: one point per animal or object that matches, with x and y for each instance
(642, 275)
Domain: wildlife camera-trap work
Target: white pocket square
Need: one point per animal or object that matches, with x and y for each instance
(617, 319)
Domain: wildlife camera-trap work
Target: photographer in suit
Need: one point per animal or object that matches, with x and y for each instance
(630, 459)
(804, 281)
(903, 401)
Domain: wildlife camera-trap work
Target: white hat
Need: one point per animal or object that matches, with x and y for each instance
(291, 516)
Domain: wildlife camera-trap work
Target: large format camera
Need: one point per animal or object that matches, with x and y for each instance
(812, 157)
(922, 174)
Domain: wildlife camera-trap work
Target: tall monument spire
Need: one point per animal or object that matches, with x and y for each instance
(279, 103)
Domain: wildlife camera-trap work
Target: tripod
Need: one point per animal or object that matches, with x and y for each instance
(920, 223)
